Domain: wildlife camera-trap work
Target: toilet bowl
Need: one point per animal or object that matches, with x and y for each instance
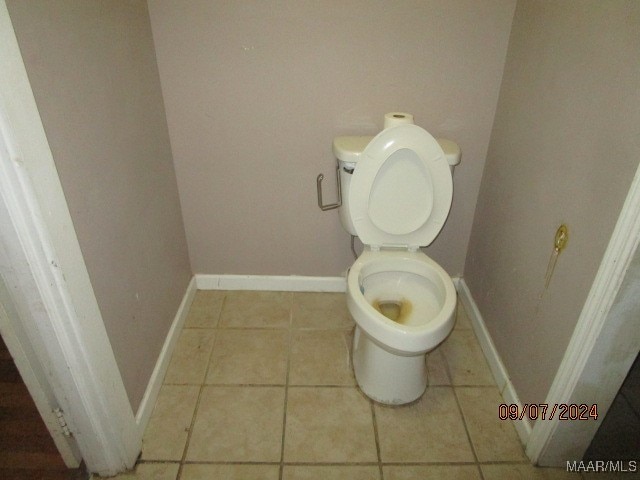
(390, 343)
(396, 195)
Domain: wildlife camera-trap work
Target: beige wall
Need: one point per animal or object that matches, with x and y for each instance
(92, 68)
(255, 91)
(564, 148)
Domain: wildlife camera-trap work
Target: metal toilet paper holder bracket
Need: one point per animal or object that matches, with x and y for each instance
(331, 206)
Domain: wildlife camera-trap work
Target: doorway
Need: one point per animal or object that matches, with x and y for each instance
(28, 449)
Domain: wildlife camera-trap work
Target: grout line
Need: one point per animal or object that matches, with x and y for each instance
(509, 462)
(286, 388)
(191, 425)
(431, 464)
(197, 407)
(227, 384)
(377, 438)
(464, 422)
(265, 385)
(338, 464)
(332, 464)
(447, 371)
(480, 471)
(471, 385)
(275, 327)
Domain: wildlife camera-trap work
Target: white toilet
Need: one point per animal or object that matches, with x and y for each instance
(396, 194)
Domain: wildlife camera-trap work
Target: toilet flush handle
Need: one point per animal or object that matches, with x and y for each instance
(319, 188)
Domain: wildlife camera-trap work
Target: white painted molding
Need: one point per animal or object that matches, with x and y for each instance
(499, 371)
(44, 270)
(523, 427)
(276, 283)
(155, 382)
(615, 262)
(35, 378)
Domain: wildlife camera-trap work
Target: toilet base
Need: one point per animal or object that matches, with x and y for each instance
(384, 376)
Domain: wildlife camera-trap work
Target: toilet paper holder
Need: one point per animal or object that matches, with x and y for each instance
(330, 206)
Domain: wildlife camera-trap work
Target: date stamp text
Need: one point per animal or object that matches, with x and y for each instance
(545, 411)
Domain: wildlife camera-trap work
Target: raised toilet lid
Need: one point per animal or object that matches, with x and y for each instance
(401, 190)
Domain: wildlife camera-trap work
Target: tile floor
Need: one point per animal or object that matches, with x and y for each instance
(260, 386)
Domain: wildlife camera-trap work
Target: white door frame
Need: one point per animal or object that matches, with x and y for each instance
(603, 346)
(45, 274)
(34, 376)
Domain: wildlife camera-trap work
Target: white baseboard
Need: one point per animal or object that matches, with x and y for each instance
(155, 382)
(276, 283)
(499, 371)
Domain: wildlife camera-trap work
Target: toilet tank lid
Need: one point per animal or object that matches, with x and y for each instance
(349, 148)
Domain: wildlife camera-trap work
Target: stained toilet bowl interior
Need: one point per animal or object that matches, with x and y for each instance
(403, 297)
(398, 311)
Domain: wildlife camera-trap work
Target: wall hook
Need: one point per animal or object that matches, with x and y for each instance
(559, 242)
(319, 188)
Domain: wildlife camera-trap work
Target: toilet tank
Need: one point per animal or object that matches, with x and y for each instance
(348, 149)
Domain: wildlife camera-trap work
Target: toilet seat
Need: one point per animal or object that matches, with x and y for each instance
(402, 189)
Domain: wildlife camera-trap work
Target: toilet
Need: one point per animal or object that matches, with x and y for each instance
(397, 189)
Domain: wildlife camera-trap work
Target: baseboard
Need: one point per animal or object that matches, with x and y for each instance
(499, 371)
(155, 382)
(276, 283)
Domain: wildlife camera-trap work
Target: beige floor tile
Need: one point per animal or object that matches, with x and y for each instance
(321, 357)
(151, 471)
(430, 430)
(432, 472)
(462, 318)
(466, 361)
(320, 310)
(494, 440)
(191, 356)
(238, 424)
(249, 356)
(205, 309)
(331, 424)
(166, 434)
(330, 472)
(527, 472)
(256, 309)
(437, 368)
(230, 472)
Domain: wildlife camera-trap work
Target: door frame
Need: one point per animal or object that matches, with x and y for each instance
(35, 379)
(603, 346)
(44, 272)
